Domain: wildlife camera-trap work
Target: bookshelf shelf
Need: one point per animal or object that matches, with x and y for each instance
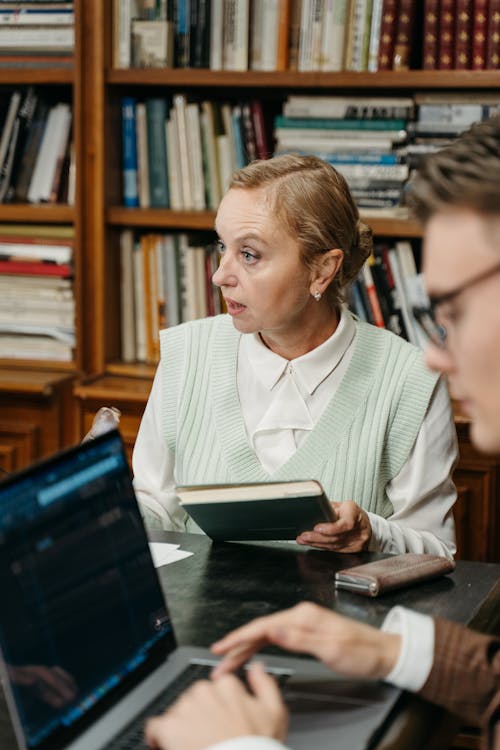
(400, 80)
(37, 214)
(38, 75)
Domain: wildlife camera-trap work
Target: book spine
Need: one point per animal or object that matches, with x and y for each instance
(35, 268)
(282, 44)
(156, 116)
(463, 35)
(332, 53)
(479, 30)
(430, 35)
(405, 28)
(374, 41)
(294, 40)
(129, 153)
(447, 34)
(493, 36)
(387, 34)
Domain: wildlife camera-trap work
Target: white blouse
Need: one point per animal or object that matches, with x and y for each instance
(281, 401)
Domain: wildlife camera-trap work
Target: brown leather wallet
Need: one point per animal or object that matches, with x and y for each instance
(374, 578)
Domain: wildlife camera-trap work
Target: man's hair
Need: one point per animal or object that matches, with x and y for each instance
(314, 204)
(465, 174)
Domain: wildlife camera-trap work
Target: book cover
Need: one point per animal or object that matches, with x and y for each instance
(446, 34)
(405, 33)
(430, 40)
(35, 268)
(156, 117)
(127, 307)
(390, 9)
(479, 30)
(493, 36)
(374, 40)
(274, 510)
(129, 152)
(394, 572)
(332, 42)
(294, 34)
(463, 35)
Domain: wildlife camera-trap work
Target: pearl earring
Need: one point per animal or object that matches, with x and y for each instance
(317, 296)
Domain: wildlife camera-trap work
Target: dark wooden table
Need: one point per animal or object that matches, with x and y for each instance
(224, 585)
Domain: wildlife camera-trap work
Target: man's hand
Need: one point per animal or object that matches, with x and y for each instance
(346, 646)
(351, 532)
(211, 712)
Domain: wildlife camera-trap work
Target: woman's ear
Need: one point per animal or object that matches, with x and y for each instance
(327, 267)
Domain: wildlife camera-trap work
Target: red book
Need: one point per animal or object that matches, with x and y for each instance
(387, 34)
(262, 148)
(405, 29)
(447, 35)
(35, 268)
(493, 36)
(479, 27)
(463, 35)
(430, 35)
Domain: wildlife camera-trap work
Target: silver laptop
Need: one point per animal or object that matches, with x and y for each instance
(87, 645)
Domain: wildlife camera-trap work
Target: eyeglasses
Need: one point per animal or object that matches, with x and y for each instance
(426, 316)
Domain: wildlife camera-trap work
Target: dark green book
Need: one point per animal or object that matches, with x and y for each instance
(270, 510)
(156, 115)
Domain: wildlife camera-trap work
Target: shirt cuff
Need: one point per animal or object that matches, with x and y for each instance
(248, 743)
(417, 648)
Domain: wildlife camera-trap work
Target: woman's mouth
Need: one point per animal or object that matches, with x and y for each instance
(233, 307)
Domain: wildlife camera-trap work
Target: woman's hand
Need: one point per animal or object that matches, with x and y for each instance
(351, 532)
(211, 712)
(346, 646)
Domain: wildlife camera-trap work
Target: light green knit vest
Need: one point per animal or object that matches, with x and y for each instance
(359, 444)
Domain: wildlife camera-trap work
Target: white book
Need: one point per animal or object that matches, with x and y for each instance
(52, 149)
(401, 300)
(32, 17)
(357, 31)
(332, 41)
(195, 156)
(235, 34)
(305, 36)
(38, 39)
(412, 285)
(298, 105)
(316, 33)
(374, 42)
(72, 175)
(56, 253)
(269, 42)
(25, 346)
(174, 165)
(227, 120)
(123, 12)
(180, 105)
(396, 172)
(127, 294)
(141, 130)
(216, 34)
(212, 176)
(225, 161)
(310, 145)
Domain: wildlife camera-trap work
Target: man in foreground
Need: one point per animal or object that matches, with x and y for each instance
(457, 198)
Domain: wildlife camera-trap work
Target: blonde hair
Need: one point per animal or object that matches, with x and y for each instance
(314, 204)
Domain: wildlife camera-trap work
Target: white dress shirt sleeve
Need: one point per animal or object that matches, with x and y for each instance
(416, 655)
(423, 493)
(153, 467)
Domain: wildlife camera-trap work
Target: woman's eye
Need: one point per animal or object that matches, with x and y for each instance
(249, 256)
(220, 246)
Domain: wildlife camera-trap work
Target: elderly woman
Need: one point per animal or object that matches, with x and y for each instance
(290, 385)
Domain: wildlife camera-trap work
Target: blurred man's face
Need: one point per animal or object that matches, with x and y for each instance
(461, 247)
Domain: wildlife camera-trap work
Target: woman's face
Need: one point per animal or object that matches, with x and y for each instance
(266, 286)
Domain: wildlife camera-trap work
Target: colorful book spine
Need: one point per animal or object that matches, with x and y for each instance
(463, 35)
(390, 10)
(430, 35)
(405, 29)
(446, 34)
(129, 153)
(479, 30)
(493, 36)
(156, 117)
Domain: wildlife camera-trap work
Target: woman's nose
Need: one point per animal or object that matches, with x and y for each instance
(223, 275)
(439, 359)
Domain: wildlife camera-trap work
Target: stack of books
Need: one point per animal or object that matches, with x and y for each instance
(40, 33)
(37, 308)
(361, 137)
(36, 156)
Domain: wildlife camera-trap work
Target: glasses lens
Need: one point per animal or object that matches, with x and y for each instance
(434, 332)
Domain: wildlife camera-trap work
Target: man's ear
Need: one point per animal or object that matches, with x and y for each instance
(327, 267)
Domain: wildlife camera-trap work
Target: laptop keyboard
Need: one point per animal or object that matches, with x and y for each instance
(132, 738)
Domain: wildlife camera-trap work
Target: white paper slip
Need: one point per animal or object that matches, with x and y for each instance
(164, 554)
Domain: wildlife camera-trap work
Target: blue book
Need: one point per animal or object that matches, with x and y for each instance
(129, 153)
(156, 116)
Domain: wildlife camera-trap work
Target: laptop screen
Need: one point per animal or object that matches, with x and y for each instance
(82, 614)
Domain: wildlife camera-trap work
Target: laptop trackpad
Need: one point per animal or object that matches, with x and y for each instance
(353, 711)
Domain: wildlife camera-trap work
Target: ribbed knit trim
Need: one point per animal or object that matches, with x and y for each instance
(360, 442)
